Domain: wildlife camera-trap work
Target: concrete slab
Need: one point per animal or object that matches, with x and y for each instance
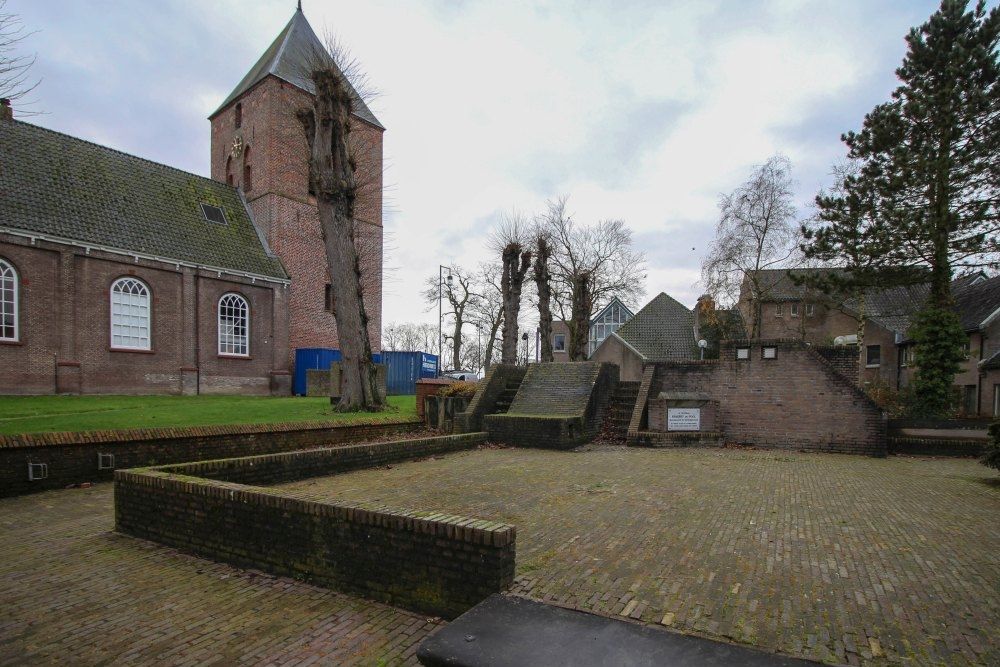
(507, 631)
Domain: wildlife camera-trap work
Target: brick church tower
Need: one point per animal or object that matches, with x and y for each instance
(259, 146)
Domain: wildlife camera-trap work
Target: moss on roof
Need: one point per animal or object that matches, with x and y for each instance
(61, 186)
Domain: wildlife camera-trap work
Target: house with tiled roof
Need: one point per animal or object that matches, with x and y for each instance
(122, 275)
(788, 310)
(663, 330)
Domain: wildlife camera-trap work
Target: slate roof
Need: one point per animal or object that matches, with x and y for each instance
(661, 331)
(289, 58)
(976, 300)
(990, 362)
(895, 307)
(777, 284)
(61, 186)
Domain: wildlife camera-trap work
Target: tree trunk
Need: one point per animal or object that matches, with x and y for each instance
(580, 310)
(543, 282)
(331, 170)
(862, 320)
(515, 264)
(456, 343)
(490, 344)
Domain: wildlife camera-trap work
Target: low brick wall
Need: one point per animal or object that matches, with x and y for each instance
(421, 560)
(72, 458)
(538, 431)
(497, 379)
(935, 446)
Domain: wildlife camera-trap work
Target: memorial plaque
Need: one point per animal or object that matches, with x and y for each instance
(684, 419)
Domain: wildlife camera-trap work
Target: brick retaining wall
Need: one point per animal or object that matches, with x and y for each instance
(796, 400)
(422, 560)
(71, 458)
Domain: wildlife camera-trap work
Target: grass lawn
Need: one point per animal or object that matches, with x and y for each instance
(32, 414)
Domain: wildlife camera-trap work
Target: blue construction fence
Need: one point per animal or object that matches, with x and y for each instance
(403, 369)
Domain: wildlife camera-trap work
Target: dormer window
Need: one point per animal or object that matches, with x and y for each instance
(238, 115)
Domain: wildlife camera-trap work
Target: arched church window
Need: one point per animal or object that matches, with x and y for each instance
(130, 314)
(8, 301)
(234, 325)
(247, 171)
(238, 115)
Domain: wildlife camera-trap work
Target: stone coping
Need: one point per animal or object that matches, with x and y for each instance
(63, 438)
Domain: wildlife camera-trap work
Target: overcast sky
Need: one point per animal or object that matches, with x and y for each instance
(644, 111)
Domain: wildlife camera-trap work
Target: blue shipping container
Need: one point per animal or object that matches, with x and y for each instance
(307, 358)
(403, 369)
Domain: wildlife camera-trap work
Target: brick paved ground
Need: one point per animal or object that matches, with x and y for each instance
(72, 592)
(833, 557)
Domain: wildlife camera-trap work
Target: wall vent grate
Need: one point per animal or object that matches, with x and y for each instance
(37, 471)
(105, 461)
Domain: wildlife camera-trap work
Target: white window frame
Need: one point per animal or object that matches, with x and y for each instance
(132, 341)
(779, 310)
(794, 309)
(8, 274)
(556, 337)
(228, 345)
(769, 353)
(810, 310)
(743, 354)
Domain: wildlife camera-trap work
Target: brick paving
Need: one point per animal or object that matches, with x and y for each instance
(839, 558)
(73, 592)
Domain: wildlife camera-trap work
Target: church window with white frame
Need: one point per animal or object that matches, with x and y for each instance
(234, 326)
(130, 314)
(8, 301)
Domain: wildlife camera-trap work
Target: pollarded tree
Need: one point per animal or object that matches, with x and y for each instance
(929, 156)
(756, 231)
(488, 310)
(332, 176)
(543, 289)
(508, 239)
(590, 265)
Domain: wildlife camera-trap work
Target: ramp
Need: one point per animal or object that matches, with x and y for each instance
(507, 631)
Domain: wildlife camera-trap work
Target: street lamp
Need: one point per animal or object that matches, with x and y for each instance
(441, 269)
(702, 344)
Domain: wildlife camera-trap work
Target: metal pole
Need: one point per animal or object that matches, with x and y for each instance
(440, 341)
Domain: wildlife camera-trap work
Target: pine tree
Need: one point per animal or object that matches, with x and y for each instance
(929, 160)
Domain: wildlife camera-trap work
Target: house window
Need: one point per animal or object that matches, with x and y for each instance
(769, 353)
(743, 353)
(234, 325)
(873, 356)
(328, 298)
(966, 349)
(906, 355)
(559, 342)
(238, 115)
(779, 309)
(8, 301)
(607, 323)
(810, 309)
(969, 402)
(130, 314)
(795, 310)
(247, 171)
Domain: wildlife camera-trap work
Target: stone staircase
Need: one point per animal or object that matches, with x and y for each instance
(620, 409)
(505, 398)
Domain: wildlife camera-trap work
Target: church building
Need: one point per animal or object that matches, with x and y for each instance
(122, 275)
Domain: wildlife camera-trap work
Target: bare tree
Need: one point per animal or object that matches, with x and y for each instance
(333, 179)
(16, 81)
(508, 238)
(460, 294)
(756, 231)
(409, 337)
(488, 310)
(590, 265)
(543, 287)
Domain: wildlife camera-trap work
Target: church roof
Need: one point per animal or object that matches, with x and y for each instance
(662, 331)
(65, 188)
(288, 58)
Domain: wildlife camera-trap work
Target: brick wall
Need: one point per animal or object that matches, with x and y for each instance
(285, 210)
(843, 359)
(65, 339)
(422, 560)
(72, 457)
(794, 401)
(497, 379)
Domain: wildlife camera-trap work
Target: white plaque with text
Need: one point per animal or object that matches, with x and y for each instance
(683, 419)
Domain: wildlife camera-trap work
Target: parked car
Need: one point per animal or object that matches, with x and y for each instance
(468, 376)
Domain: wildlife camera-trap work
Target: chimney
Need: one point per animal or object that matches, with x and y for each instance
(704, 302)
(6, 111)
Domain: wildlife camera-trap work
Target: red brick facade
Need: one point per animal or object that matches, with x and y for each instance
(64, 342)
(274, 145)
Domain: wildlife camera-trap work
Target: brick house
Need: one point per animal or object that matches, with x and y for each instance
(663, 330)
(790, 311)
(121, 275)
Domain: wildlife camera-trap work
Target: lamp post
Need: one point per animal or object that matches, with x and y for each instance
(702, 344)
(479, 346)
(441, 269)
